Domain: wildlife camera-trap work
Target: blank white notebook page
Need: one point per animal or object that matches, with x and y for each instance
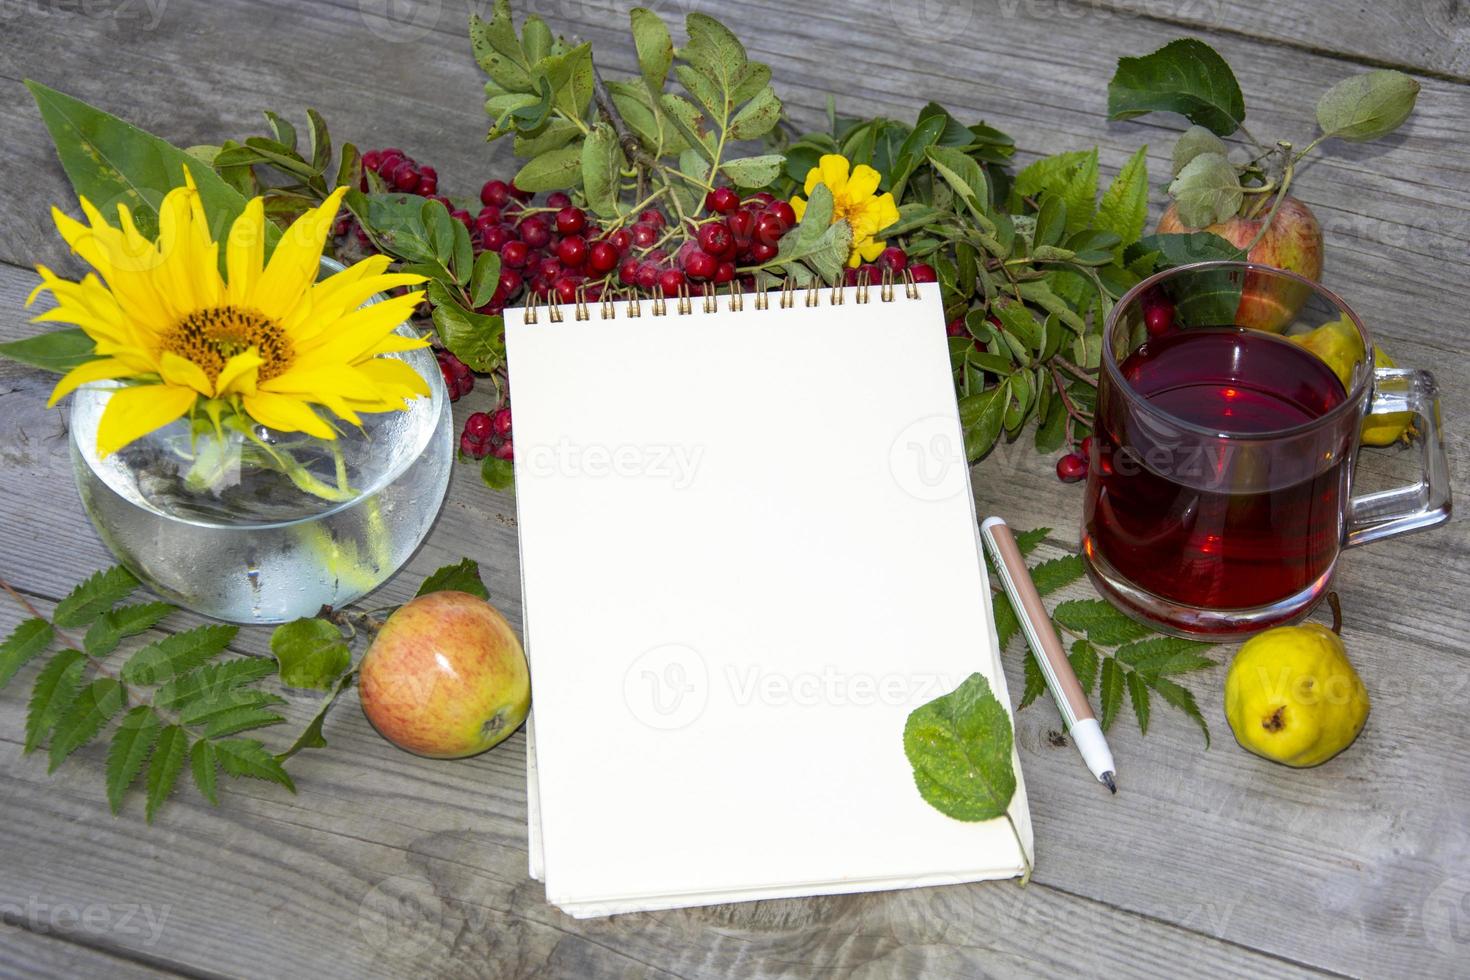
(748, 551)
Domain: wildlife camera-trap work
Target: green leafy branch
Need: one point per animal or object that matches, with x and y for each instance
(1118, 657)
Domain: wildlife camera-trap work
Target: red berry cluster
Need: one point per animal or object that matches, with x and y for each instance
(1073, 466)
(458, 378)
(487, 434)
(893, 260)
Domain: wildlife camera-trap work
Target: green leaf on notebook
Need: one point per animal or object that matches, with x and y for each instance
(960, 747)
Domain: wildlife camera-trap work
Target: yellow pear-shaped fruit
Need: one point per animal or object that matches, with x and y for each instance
(1291, 696)
(1385, 430)
(1340, 347)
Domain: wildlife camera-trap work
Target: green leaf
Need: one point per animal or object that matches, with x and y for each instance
(478, 339)
(981, 414)
(247, 757)
(174, 655)
(757, 118)
(1138, 697)
(311, 653)
(967, 178)
(242, 719)
(131, 745)
(461, 577)
(1367, 106)
(55, 350)
(498, 474)
(1207, 191)
(1028, 541)
(714, 50)
(959, 745)
(536, 39)
(1072, 176)
(572, 83)
(94, 707)
(221, 704)
(311, 737)
(163, 770)
(485, 277)
(94, 597)
(1006, 624)
(27, 641)
(1180, 698)
(1182, 249)
(1083, 659)
(1165, 655)
(753, 171)
(1194, 141)
(111, 162)
(55, 689)
(655, 47)
(1050, 576)
(688, 122)
(552, 171)
(1112, 691)
(111, 628)
(602, 163)
(204, 762)
(321, 140)
(1035, 680)
(1124, 206)
(1186, 76)
(1103, 624)
(498, 51)
(211, 681)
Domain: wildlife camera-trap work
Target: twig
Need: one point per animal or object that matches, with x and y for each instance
(632, 148)
(1082, 373)
(1072, 410)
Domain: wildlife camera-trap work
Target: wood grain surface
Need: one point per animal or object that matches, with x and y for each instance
(1213, 863)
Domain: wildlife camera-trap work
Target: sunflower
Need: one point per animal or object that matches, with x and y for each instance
(854, 197)
(267, 340)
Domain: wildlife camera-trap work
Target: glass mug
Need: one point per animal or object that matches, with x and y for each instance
(1220, 478)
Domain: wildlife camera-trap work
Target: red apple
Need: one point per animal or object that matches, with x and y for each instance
(445, 677)
(1293, 243)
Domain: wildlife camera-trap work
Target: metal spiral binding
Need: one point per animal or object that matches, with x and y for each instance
(683, 301)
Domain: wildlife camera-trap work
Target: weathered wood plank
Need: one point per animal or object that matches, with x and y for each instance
(57, 941)
(1350, 855)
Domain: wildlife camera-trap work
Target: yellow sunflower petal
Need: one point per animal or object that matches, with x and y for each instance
(138, 410)
(101, 369)
(240, 374)
(340, 380)
(331, 299)
(184, 373)
(863, 182)
(286, 414)
(356, 333)
(245, 252)
(296, 261)
(391, 372)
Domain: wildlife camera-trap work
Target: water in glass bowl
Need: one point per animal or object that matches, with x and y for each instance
(207, 527)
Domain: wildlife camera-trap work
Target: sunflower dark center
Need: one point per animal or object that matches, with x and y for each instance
(210, 337)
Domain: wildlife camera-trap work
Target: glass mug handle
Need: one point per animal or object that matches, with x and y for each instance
(1414, 506)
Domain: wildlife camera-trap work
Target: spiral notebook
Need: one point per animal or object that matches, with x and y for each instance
(748, 550)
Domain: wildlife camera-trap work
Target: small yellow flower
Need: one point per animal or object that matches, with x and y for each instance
(269, 340)
(853, 198)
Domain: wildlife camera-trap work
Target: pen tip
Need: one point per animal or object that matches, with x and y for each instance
(1107, 779)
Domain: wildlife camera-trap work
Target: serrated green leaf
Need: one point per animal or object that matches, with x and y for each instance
(1083, 659)
(247, 757)
(756, 118)
(1207, 191)
(1007, 626)
(714, 50)
(1071, 176)
(1050, 576)
(1186, 76)
(27, 641)
(55, 688)
(1027, 541)
(109, 629)
(175, 655)
(311, 653)
(498, 51)
(94, 597)
(1186, 249)
(204, 762)
(1103, 624)
(463, 576)
(1191, 143)
(206, 711)
(1111, 694)
(131, 745)
(1367, 106)
(211, 681)
(54, 350)
(687, 121)
(164, 767)
(753, 171)
(654, 46)
(93, 707)
(1180, 698)
(1165, 655)
(242, 719)
(602, 164)
(1035, 681)
(311, 736)
(1138, 697)
(1123, 209)
(959, 745)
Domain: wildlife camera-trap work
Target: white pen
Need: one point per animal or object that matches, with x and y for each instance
(1066, 690)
